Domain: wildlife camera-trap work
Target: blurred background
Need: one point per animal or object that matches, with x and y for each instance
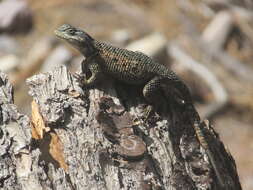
(208, 43)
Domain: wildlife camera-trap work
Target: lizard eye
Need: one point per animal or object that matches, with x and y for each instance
(71, 31)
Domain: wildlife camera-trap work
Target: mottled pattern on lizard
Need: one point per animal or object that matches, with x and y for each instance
(133, 68)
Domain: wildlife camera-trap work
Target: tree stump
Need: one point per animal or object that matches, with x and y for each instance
(97, 139)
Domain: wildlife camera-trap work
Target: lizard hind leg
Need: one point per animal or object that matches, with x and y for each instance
(153, 93)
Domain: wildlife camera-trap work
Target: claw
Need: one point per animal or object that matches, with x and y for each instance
(79, 77)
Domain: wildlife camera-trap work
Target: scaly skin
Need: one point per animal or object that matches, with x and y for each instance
(127, 66)
(133, 68)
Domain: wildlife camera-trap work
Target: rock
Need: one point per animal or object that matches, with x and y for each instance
(120, 37)
(59, 56)
(36, 56)
(40, 50)
(8, 45)
(15, 17)
(8, 63)
(154, 45)
(217, 31)
(75, 64)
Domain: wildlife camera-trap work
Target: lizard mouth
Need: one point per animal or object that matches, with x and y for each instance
(59, 34)
(65, 37)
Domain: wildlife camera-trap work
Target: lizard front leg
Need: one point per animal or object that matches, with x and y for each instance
(91, 66)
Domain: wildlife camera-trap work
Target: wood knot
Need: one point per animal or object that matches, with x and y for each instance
(131, 147)
(117, 126)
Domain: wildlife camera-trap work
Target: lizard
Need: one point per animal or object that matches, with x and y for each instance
(134, 68)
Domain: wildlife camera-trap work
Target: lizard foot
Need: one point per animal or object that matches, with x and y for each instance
(79, 77)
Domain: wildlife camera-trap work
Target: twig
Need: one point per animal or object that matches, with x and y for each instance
(218, 90)
(216, 33)
(232, 64)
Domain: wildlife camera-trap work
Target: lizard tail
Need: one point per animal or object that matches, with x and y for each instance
(198, 127)
(185, 96)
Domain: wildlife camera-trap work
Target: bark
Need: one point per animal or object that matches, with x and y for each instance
(97, 139)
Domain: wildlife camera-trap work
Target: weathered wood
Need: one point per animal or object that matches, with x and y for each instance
(216, 33)
(15, 139)
(220, 94)
(87, 139)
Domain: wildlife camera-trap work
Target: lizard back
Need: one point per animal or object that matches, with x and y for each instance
(128, 66)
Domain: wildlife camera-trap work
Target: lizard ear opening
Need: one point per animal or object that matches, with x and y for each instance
(89, 37)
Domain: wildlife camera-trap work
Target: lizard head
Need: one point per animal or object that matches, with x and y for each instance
(76, 37)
